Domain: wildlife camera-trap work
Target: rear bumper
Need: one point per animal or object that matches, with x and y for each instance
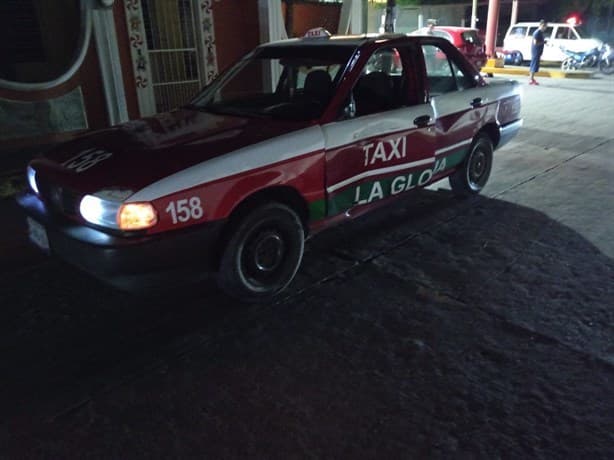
(129, 262)
(507, 132)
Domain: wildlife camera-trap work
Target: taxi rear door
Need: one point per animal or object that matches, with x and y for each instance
(459, 101)
(383, 145)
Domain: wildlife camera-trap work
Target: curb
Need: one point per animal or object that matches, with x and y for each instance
(551, 73)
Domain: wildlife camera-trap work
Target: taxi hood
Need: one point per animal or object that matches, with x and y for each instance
(137, 153)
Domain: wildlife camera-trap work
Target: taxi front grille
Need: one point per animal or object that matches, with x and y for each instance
(59, 199)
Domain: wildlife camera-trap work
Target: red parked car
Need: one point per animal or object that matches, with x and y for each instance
(469, 41)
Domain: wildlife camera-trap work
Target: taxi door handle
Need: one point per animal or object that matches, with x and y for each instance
(477, 102)
(422, 121)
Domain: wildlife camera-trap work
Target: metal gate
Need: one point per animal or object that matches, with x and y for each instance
(173, 53)
(173, 50)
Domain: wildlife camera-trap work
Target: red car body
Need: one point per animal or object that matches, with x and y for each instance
(469, 41)
(295, 137)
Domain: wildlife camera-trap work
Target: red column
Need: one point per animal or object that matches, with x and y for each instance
(491, 27)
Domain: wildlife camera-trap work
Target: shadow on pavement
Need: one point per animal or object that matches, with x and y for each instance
(433, 327)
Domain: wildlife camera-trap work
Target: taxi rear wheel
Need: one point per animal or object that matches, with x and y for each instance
(263, 254)
(471, 177)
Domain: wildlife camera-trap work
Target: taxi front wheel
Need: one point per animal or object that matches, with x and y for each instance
(471, 176)
(263, 254)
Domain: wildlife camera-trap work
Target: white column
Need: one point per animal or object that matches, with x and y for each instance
(514, 18)
(140, 58)
(206, 37)
(272, 24)
(272, 28)
(474, 14)
(350, 21)
(105, 37)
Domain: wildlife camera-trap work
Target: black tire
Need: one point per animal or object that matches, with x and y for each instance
(471, 176)
(606, 67)
(263, 254)
(569, 64)
(517, 59)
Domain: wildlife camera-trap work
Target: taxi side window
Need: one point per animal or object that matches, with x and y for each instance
(302, 73)
(381, 86)
(463, 80)
(442, 73)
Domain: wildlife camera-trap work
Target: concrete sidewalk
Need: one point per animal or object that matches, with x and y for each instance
(544, 72)
(568, 126)
(548, 70)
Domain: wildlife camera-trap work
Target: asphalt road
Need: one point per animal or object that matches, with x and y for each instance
(435, 328)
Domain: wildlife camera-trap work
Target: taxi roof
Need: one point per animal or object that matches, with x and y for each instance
(335, 40)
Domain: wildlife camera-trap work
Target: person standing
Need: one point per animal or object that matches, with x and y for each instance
(431, 27)
(537, 48)
(391, 16)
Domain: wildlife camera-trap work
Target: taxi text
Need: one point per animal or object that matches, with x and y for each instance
(380, 189)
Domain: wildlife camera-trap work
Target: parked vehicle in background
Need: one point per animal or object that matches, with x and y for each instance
(298, 136)
(606, 59)
(469, 42)
(558, 36)
(577, 60)
(510, 57)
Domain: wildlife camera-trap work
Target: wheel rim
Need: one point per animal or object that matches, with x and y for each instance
(263, 255)
(477, 170)
(268, 253)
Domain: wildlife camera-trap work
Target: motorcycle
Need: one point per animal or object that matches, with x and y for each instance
(576, 60)
(606, 59)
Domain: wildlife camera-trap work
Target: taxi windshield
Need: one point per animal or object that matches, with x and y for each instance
(294, 83)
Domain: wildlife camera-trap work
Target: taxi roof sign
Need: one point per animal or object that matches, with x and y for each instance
(317, 32)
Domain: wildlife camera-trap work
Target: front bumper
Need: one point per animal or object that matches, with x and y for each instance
(129, 262)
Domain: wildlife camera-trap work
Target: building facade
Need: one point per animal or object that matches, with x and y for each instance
(69, 66)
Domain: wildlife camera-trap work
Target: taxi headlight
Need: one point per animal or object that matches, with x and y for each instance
(116, 214)
(137, 216)
(99, 211)
(32, 179)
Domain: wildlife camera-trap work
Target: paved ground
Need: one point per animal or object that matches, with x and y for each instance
(436, 329)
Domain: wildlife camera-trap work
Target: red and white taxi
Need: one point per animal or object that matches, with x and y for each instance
(296, 136)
